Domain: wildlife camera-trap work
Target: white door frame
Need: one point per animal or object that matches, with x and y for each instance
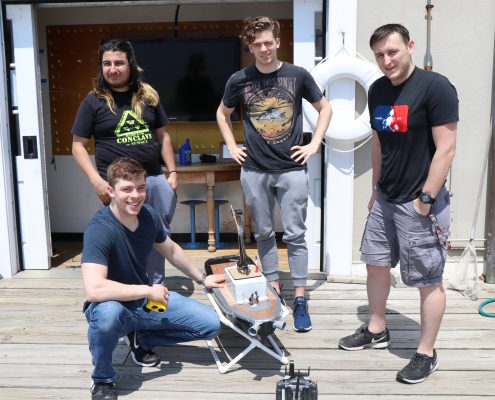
(9, 265)
(30, 164)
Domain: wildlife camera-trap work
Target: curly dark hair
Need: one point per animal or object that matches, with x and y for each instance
(254, 25)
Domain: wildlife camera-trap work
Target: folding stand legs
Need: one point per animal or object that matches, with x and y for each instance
(276, 353)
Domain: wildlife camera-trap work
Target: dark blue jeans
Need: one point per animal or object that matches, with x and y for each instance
(184, 320)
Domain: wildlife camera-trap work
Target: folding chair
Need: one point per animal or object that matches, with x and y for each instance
(254, 341)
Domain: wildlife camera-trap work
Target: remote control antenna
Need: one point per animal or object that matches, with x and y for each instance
(243, 263)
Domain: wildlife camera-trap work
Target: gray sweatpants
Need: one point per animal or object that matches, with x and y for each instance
(160, 196)
(290, 190)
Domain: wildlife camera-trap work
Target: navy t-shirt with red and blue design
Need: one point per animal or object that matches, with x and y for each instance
(403, 117)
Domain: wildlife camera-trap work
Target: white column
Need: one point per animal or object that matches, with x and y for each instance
(304, 56)
(339, 183)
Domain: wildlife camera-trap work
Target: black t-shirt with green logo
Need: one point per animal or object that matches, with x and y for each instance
(122, 134)
(272, 113)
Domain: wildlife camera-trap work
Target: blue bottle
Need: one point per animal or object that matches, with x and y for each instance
(185, 153)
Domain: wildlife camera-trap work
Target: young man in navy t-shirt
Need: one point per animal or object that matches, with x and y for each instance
(117, 243)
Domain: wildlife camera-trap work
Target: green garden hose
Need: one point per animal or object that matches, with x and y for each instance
(484, 313)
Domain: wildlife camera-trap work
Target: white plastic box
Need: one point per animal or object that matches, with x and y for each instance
(242, 288)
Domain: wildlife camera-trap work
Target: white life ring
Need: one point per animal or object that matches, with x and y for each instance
(340, 67)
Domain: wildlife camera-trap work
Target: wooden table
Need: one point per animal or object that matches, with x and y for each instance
(209, 174)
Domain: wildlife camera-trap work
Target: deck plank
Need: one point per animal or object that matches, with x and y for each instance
(71, 394)
(175, 378)
(44, 352)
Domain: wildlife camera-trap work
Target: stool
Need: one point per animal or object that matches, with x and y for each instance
(192, 214)
(218, 243)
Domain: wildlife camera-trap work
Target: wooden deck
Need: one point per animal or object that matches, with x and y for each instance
(44, 352)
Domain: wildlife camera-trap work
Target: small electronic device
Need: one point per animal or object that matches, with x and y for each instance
(296, 386)
(154, 306)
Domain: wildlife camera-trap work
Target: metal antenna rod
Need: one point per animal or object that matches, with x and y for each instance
(428, 60)
(243, 263)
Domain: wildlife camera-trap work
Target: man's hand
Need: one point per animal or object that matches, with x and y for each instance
(159, 293)
(421, 208)
(372, 200)
(215, 280)
(172, 180)
(238, 154)
(101, 190)
(301, 154)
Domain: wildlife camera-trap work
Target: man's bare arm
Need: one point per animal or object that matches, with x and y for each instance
(177, 257)
(82, 158)
(301, 154)
(376, 166)
(225, 125)
(168, 156)
(445, 137)
(98, 288)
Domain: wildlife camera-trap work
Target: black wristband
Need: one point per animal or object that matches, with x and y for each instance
(201, 281)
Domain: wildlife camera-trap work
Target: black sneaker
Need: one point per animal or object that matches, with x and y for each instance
(140, 356)
(280, 294)
(103, 391)
(418, 368)
(302, 321)
(363, 339)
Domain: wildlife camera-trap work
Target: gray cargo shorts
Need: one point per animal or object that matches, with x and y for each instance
(396, 232)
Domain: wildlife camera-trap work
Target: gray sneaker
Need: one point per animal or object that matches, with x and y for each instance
(418, 368)
(363, 339)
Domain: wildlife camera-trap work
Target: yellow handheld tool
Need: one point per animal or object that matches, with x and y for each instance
(152, 305)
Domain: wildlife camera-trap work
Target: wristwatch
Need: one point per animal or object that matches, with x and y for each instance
(201, 281)
(425, 197)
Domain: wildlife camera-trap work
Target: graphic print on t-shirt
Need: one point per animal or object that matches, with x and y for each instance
(270, 104)
(391, 118)
(132, 130)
